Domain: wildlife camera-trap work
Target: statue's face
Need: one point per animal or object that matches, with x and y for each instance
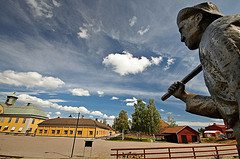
(189, 31)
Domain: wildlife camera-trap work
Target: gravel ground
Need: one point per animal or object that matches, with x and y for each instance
(61, 147)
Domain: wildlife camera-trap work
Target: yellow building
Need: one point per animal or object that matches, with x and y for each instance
(67, 126)
(19, 119)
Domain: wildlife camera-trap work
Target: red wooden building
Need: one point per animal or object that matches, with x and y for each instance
(215, 126)
(181, 134)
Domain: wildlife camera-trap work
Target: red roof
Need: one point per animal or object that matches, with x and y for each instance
(175, 130)
(214, 124)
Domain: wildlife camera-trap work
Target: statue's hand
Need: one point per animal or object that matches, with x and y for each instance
(177, 89)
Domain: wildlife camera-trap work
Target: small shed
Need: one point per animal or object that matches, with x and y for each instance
(181, 134)
(212, 133)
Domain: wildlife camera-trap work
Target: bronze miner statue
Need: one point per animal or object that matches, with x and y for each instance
(217, 37)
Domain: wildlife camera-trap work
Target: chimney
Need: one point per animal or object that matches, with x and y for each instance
(82, 116)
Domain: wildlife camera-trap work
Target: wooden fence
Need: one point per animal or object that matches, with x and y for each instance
(214, 151)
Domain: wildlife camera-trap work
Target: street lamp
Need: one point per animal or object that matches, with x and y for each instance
(75, 133)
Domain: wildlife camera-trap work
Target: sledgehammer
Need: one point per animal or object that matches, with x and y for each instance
(196, 71)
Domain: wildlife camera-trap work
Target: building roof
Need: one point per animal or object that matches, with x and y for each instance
(73, 122)
(214, 124)
(23, 111)
(176, 130)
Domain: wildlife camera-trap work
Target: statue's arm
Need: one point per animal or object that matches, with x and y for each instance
(196, 104)
(202, 105)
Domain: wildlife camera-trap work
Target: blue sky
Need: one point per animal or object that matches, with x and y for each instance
(97, 57)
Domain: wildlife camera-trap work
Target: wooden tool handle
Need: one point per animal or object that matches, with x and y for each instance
(196, 71)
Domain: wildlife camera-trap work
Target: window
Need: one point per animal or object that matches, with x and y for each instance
(71, 131)
(91, 132)
(30, 130)
(3, 119)
(16, 121)
(0, 127)
(45, 131)
(58, 131)
(5, 128)
(33, 121)
(20, 129)
(53, 131)
(65, 132)
(13, 128)
(9, 120)
(40, 131)
(24, 120)
(79, 132)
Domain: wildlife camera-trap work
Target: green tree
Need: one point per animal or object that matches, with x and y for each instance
(152, 118)
(138, 123)
(105, 121)
(121, 122)
(201, 130)
(145, 119)
(115, 123)
(171, 120)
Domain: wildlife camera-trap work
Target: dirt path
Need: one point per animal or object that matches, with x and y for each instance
(61, 147)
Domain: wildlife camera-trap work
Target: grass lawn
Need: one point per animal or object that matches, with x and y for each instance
(119, 138)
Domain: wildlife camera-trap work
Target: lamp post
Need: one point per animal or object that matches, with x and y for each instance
(75, 134)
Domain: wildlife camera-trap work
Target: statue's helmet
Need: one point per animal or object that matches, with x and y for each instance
(207, 7)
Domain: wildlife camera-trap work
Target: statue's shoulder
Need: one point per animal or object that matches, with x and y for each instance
(220, 26)
(224, 22)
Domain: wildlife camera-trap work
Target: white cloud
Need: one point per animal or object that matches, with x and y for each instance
(114, 98)
(79, 92)
(156, 60)
(83, 33)
(97, 113)
(125, 63)
(162, 110)
(24, 98)
(41, 8)
(55, 3)
(131, 102)
(100, 93)
(170, 61)
(56, 100)
(100, 114)
(132, 21)
(58, 113)
(29, 79)
(143, 30)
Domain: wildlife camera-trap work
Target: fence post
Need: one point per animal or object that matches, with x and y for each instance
(144, 151)
(169, 153)
(194, 155)
(217, 152)
(117, 154)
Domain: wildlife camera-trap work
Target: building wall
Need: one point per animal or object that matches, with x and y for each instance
(18, 124)
(189, 133)
(67, 131)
